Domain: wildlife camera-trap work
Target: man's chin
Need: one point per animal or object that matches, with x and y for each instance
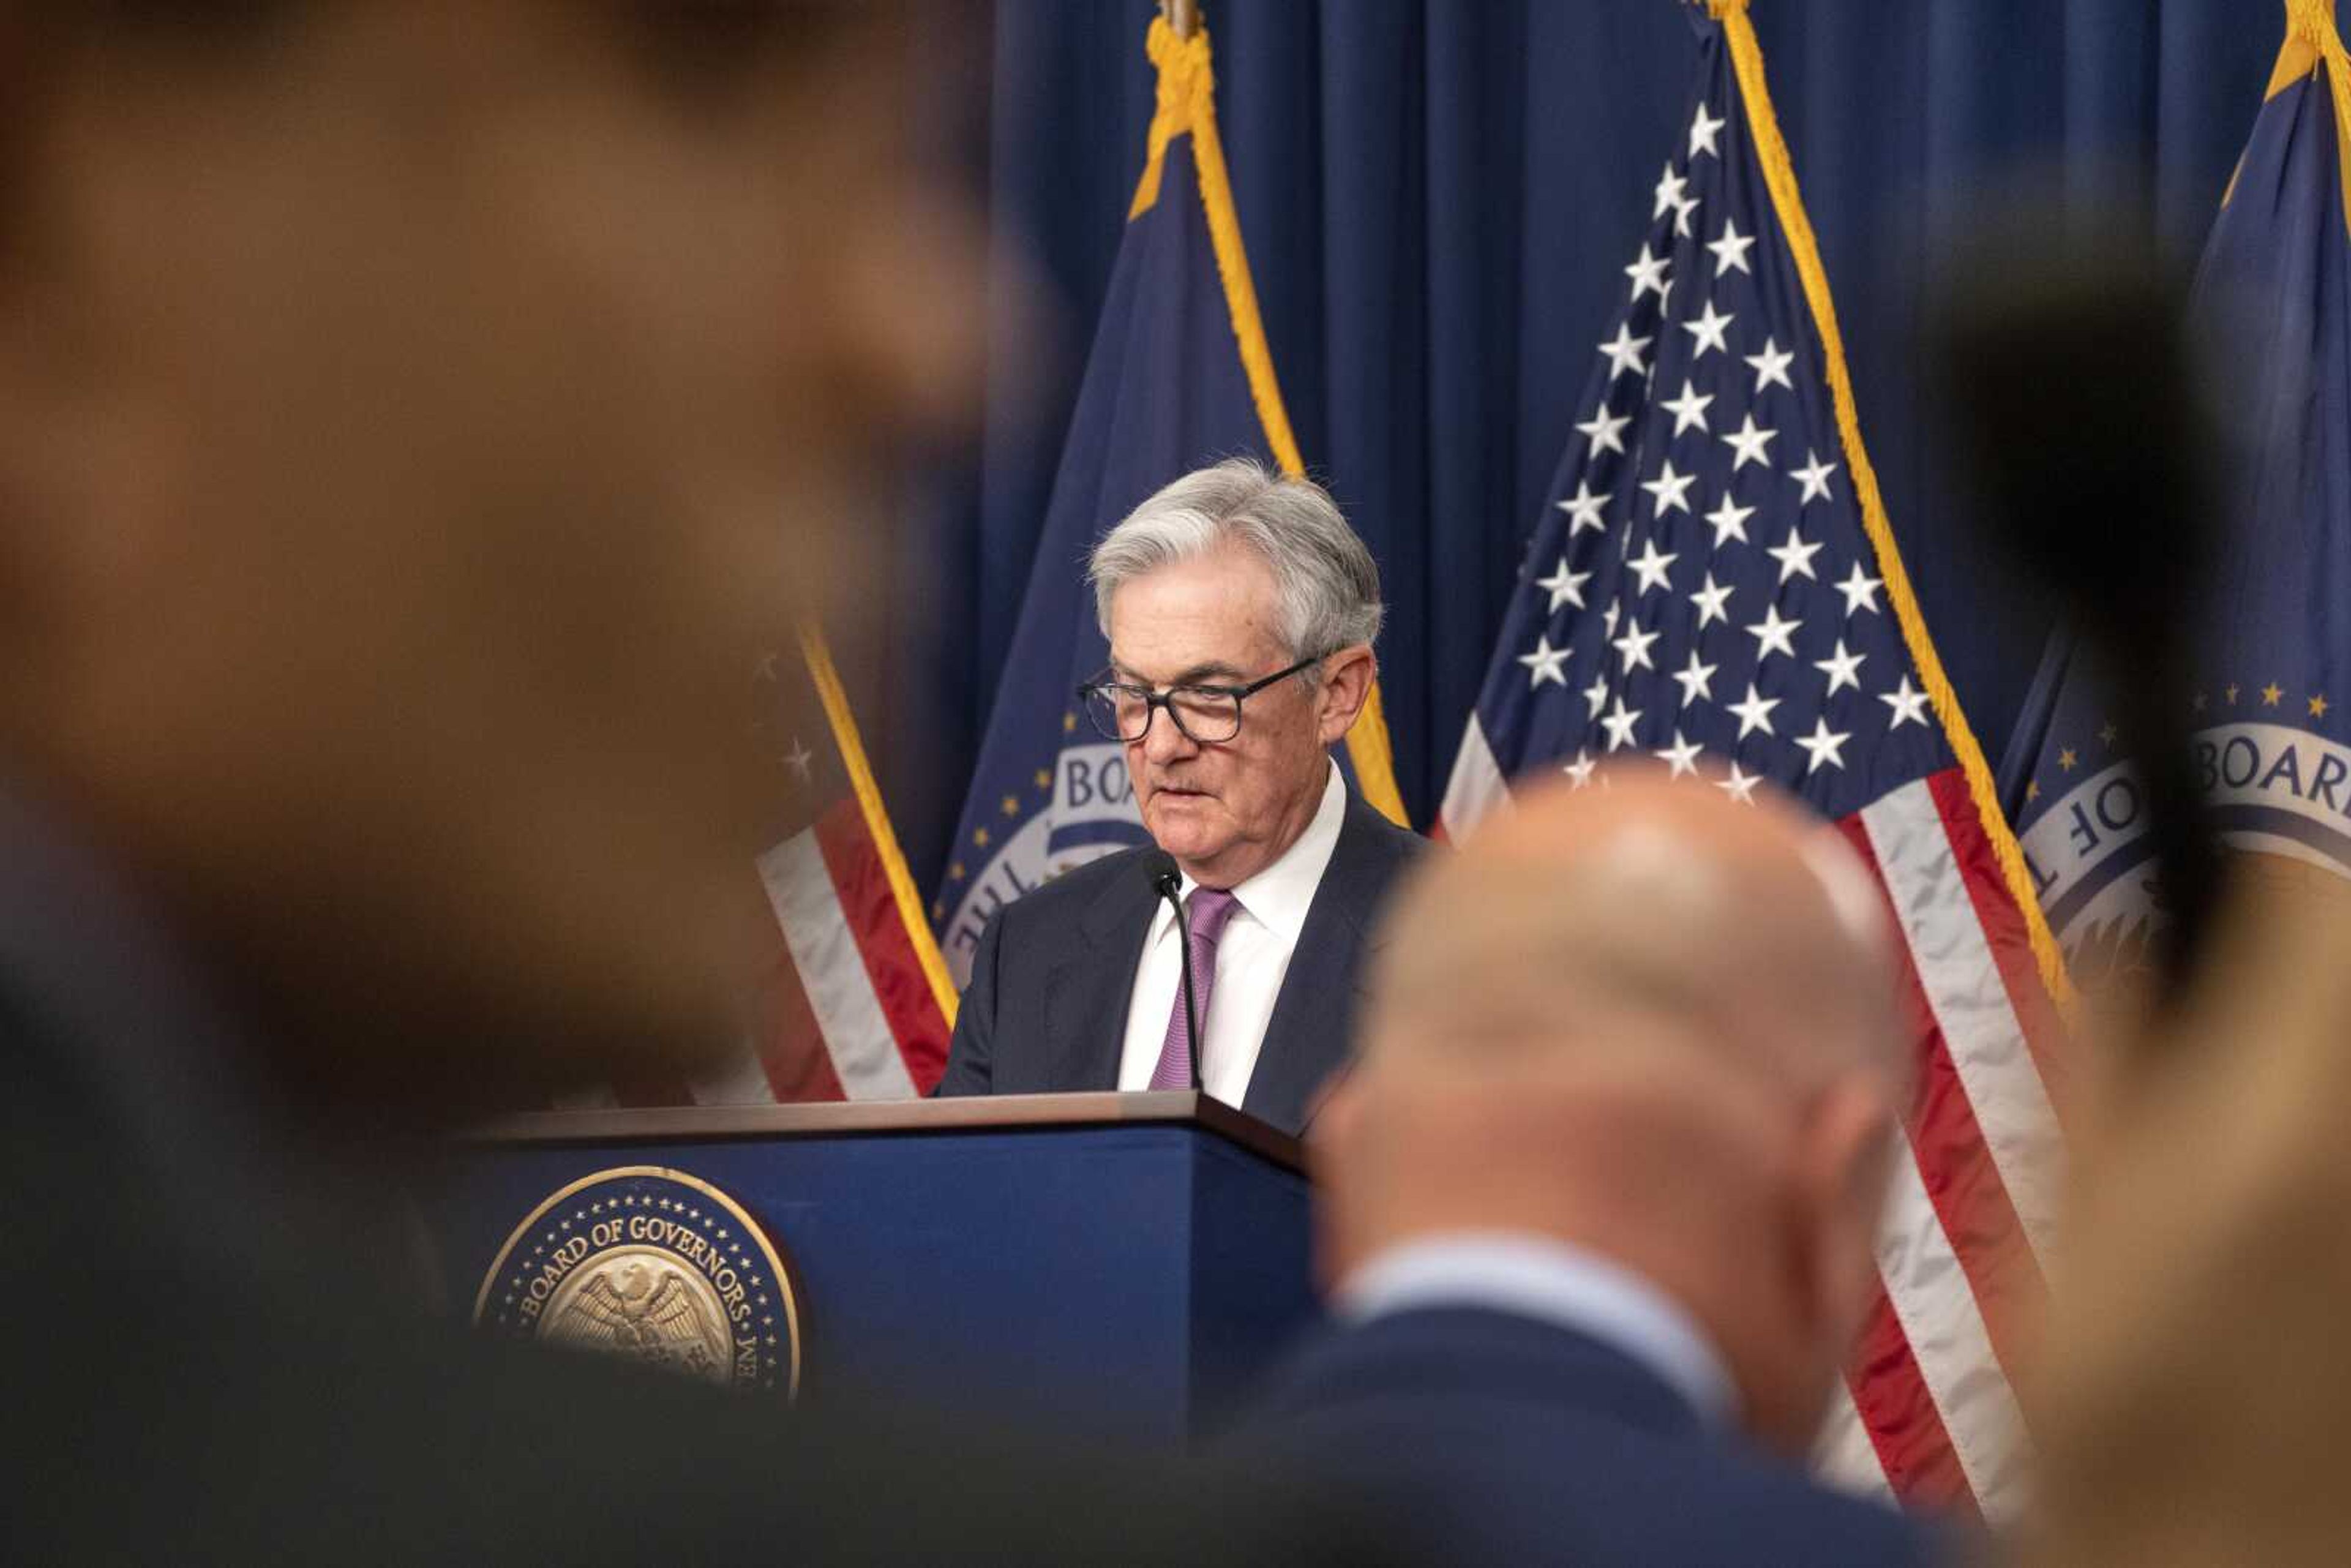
(1186, 826)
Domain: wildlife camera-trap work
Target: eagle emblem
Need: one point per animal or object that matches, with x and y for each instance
(654, 1266)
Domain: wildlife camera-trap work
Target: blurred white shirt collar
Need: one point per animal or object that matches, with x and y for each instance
(1551, 1281)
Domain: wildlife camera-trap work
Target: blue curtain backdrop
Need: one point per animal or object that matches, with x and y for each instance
(1438, 198)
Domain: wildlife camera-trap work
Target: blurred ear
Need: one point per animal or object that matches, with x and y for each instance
(1346, 684)
(1334, 1132)
(1848, 1145)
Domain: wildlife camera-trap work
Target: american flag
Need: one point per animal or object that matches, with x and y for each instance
(1712, 584)
(854, 1002)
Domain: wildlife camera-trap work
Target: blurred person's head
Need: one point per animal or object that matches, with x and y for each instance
(1648, 1020)
(1227, 576)
(417, 419)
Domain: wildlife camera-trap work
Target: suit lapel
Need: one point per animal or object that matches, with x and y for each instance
(1306, 1040)
(1093, 986)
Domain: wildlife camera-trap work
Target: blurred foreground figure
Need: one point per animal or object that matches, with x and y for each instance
(2196, 1381)
(416, 422)
(1601, 1194)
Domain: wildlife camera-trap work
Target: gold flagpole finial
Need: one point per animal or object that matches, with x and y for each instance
(1182, 16)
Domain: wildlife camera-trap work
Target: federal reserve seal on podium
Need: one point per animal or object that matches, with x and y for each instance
(655, 1265)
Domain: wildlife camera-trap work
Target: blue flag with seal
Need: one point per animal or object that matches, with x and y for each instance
(1179, 377)
(2272, 750)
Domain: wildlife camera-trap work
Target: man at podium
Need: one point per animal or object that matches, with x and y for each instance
(1241, 611)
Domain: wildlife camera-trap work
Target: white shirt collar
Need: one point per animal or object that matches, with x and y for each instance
(1279, 896)
(1554, 1281)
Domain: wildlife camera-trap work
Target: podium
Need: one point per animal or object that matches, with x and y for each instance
(1126, 1265)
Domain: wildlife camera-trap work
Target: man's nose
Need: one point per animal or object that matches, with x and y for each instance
(1163, 742)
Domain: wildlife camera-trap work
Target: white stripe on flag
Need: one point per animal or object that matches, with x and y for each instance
(1476, 787)
(1939, 1317)
(1845, 1457)
(832, 972)
(1970, 1001)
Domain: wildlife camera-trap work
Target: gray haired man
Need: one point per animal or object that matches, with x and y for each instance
(1240, 610)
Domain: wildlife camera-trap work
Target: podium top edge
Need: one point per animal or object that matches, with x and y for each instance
(1002, 1113)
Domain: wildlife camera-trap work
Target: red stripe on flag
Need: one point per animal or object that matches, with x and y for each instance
(791, 1045)
(2004, 930)
(1954, 1163)
(1898, 1413)
(870, 906)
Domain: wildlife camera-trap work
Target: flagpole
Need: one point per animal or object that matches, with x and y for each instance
(1182, 17)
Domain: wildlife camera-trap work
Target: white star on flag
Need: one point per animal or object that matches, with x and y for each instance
(1709, 330)
(1695, 680)
(1606, 430)
(1651, 566)
(1634, 645)
(1648, 274)
(1682, 754)
(1549, 664)
(1841, 668)
(1908, 703)
(1773, 635)
(1582, 509)
(1711, 600)
(1814, 478)
(1755, 713)
(1624, 351)
(1748, 444)
(1688, 409)
(1730, 521)
(1795, 556)
(1580, 768)
(1565, 586)
(1731, 252)
(1860, 590)
(1703, 131)
(1823, 746)
(1740, 786)
(1670, 489)
(1619, 724)
(1671, 190)
(1771, 366)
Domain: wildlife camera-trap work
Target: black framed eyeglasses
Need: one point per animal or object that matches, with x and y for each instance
(1208, 716)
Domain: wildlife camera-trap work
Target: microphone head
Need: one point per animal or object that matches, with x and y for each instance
(1159, 867)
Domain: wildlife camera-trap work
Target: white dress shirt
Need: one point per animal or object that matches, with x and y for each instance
(1552, 1282)
(1252, 957)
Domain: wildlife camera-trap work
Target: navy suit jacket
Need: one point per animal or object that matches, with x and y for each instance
(1045, 1010)
(1514, 1440)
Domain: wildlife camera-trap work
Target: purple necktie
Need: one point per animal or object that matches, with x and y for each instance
(1203, 923)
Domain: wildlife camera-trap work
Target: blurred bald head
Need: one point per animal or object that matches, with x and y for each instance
(1655, 1023)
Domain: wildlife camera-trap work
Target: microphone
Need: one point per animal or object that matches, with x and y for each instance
(1168, 882)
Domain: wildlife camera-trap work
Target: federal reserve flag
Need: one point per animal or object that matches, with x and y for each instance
(1712, 584)
(2272, 748)
(1179, 378)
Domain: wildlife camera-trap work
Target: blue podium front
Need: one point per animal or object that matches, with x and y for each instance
(1120, 1264)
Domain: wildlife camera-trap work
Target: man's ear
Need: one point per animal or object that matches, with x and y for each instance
(1347, 678)
(1332, 1133)
(1849, 1145)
